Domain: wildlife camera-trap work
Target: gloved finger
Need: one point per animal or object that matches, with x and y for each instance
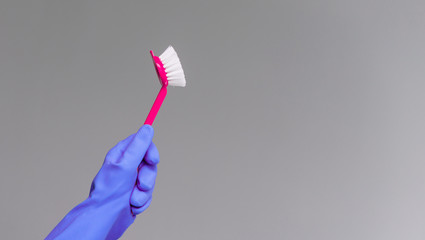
(152, 155)
(146, 177)
(116, 152)
(139, 198)
(139, 210)
(138, 146)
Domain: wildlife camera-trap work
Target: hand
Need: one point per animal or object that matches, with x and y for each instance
(121, 189)
(124, 176)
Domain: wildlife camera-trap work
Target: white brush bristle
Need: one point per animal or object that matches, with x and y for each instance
(173, 67)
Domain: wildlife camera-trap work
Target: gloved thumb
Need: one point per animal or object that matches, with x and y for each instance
(136, 149)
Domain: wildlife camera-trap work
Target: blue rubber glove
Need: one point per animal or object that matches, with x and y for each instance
(121, 189)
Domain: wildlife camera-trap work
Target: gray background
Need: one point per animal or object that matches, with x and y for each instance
(300, 119)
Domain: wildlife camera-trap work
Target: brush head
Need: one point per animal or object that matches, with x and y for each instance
(169, 68)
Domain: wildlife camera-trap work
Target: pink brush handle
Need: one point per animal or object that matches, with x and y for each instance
(156, 105)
